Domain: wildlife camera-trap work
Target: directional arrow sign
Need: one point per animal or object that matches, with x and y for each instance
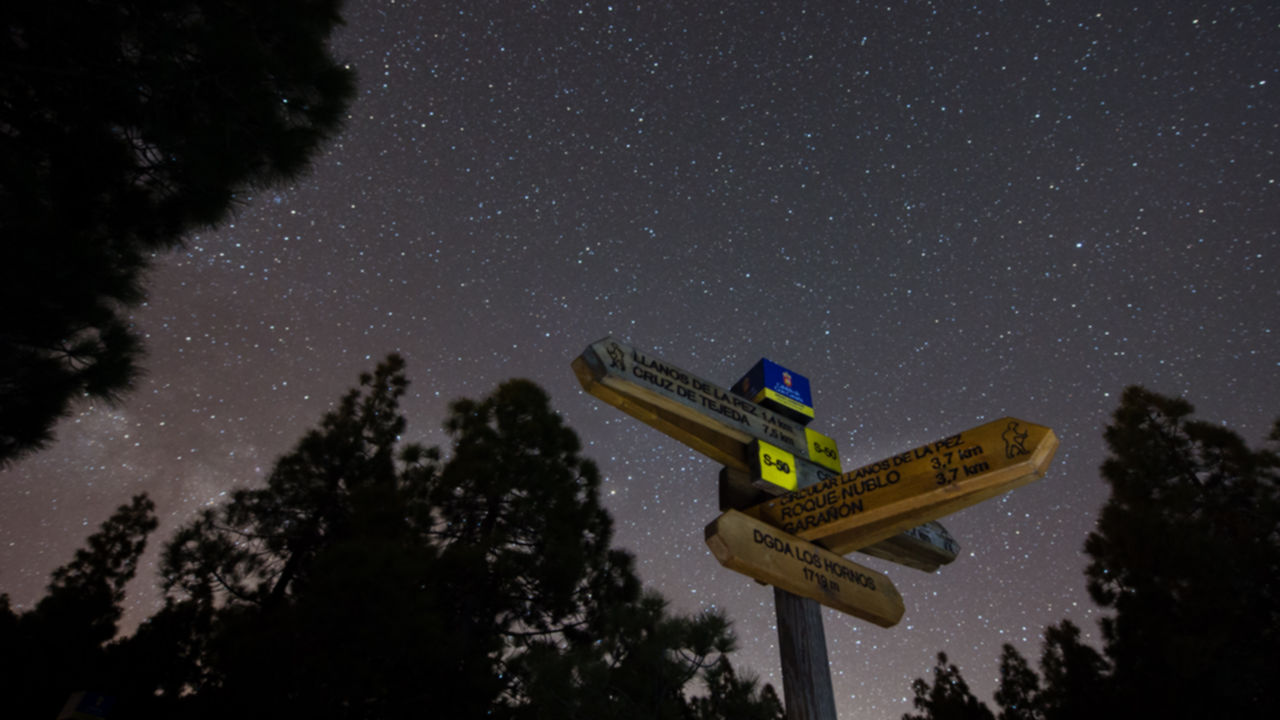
(763, 552)
(925, 547)
(709, 418)
(699, 413)
(859, 508)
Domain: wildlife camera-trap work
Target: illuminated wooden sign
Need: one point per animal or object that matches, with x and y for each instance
(691, 409)
(726, 427)
(699, 413)
(765, 553)
(926, 547)
(875, 502)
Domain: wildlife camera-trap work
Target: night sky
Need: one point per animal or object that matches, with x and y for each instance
(941, 215)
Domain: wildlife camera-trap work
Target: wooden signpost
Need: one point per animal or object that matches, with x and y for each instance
(795, 539)
(732, 431)
(880, 500)
(763, 552)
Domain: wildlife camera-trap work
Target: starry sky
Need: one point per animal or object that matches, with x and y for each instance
(941, 213)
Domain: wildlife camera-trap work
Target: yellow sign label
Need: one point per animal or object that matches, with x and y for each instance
(784, 401)
(822, 450)
(776, 465)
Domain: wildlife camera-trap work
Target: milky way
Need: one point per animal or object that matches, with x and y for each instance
(941, 215)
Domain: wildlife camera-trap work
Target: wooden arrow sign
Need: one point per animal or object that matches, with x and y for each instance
(685, 405)
(924, 547)
(859, 508)
(763, 552)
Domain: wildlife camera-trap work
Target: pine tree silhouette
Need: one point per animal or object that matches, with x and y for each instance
(125, 126)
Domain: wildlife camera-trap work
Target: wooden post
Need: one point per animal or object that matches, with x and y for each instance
(802, 646)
